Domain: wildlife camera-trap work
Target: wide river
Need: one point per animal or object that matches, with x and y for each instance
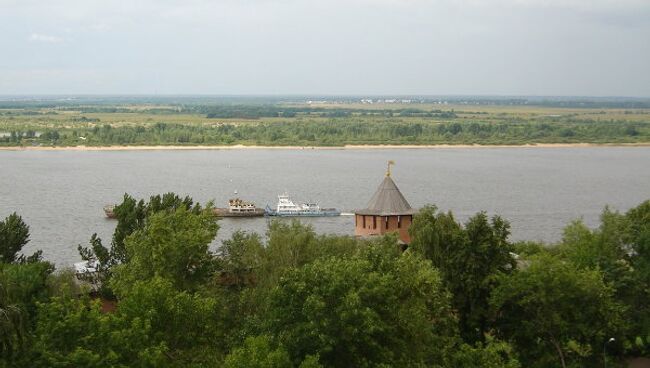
(60, 194)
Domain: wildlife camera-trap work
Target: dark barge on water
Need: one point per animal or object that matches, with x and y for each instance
(109, 210)
(239, 208)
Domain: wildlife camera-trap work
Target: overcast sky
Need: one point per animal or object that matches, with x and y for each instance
(468, 47)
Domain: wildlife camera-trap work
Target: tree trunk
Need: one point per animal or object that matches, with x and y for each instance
(559, 352)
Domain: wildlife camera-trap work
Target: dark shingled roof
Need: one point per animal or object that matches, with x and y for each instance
(387, 201)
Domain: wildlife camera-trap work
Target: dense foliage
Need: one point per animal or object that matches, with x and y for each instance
(462, 295)
(339, 132)
(469, 259)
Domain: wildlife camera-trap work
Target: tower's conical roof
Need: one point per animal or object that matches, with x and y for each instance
(387, 201)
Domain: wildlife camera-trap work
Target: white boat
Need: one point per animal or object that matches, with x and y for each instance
(286, 208)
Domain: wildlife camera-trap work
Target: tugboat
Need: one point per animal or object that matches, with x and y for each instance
(109, 210)
(286, 208)
(239, 208)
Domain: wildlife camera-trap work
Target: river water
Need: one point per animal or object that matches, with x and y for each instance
(60, 194)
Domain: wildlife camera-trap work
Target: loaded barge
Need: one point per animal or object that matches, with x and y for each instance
(239, 208)
(109, 210)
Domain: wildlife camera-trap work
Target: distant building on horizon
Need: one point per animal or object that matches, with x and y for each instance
(387, 212)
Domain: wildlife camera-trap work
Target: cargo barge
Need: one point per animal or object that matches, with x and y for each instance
(239, 208)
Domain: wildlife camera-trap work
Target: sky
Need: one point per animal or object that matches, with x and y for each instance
(326, 47)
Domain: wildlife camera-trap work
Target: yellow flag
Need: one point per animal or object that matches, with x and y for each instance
(390, 162)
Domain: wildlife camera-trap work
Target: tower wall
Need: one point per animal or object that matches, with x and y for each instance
(367, 225)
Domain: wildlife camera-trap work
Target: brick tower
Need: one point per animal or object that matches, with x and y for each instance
(387, 212)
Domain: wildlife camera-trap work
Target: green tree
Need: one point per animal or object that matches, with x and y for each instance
(491, 354)
(22, 286)
(598, 249)
(637, 236)
(14, 235)
(172, 245)
(469, 259)
(154, 326)
(27, 283)
(257, 352)
(131, 216)
(74, 332)
(377, 307)
(616, 249)
(12, 322)
(188, 325)
(293, 244)
(239, 258)
(250, 269)
(555, 313)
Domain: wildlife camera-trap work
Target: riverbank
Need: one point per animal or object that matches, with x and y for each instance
(345, 147)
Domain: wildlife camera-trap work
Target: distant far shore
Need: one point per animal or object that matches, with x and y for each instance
(345, 147)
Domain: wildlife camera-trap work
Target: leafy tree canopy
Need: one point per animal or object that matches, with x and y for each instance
(375, 308)
(14, 235)
(468, 257)
(556, 313)
(173, 246)
(131, 216)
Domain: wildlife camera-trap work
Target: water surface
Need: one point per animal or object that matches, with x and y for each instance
(60, 194)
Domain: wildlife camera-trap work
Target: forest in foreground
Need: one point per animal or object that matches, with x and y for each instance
(61, 123)
(461, 295)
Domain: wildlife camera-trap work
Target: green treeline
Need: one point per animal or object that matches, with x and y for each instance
(189, 122)
(337, 132)
(249, 111)
(462, 295)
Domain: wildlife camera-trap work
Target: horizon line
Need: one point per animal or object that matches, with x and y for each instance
(328, 95)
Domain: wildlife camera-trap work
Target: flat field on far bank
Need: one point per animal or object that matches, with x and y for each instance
(327, 124)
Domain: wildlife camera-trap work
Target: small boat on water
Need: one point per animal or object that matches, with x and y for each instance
(286, 208)
(109, 210)
(239, 208)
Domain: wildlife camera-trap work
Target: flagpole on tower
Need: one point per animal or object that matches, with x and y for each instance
(390, 162)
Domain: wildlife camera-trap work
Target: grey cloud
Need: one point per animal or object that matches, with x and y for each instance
(541, 47)
(37, 37)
